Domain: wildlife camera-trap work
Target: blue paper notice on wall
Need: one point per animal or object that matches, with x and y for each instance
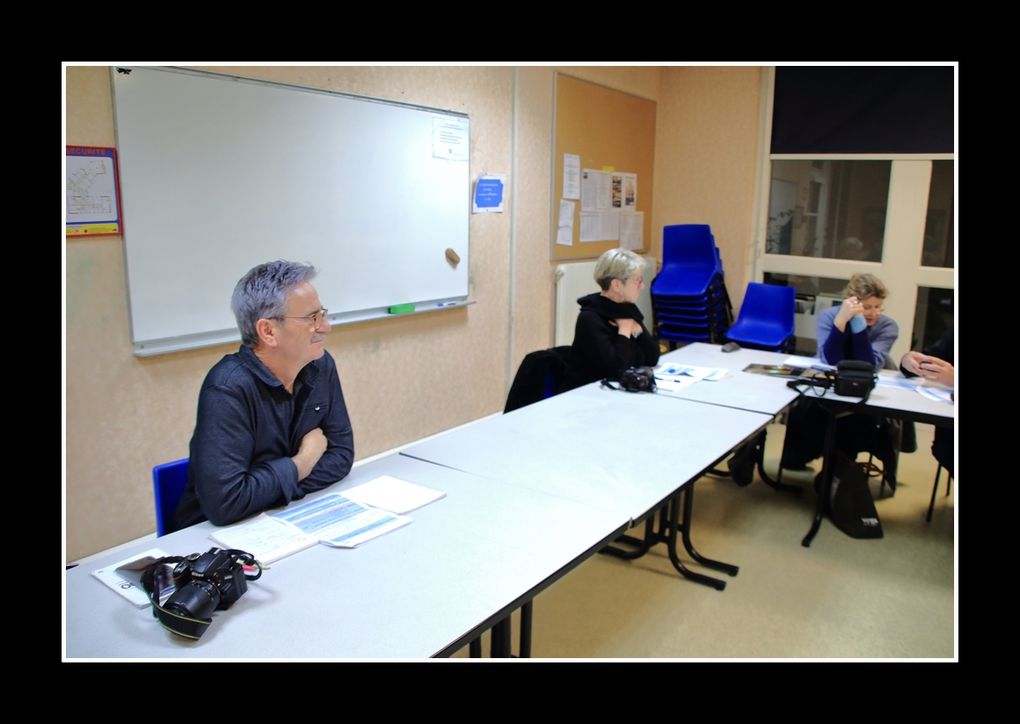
(489, 195)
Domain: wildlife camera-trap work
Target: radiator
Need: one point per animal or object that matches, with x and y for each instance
(575, 280)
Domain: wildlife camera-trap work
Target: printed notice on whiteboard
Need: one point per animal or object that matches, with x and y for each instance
(450, 138)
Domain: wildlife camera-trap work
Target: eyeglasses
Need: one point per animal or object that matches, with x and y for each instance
(314, 319)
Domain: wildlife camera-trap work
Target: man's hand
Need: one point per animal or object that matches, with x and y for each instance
(937, 370)
(313, 445)
(930, 368)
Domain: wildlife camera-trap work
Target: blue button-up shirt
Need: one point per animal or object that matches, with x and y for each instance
(248, 428)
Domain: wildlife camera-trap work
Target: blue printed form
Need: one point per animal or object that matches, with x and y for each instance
(338, 521)
(489, 194)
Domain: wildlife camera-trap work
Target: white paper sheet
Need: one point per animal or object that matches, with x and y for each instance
(265, 537)
(565, 227)
(393, 494)
(632, 229)
(571, 176)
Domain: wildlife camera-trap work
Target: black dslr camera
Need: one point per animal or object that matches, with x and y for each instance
(634, 379)
(201, 583)
(207, 582)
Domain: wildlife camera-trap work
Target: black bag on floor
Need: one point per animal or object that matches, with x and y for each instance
(851, 506)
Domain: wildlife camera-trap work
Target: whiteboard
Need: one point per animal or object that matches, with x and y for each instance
(219, 174)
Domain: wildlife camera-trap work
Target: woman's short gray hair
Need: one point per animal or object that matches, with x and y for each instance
(617, 264)
(262, 294)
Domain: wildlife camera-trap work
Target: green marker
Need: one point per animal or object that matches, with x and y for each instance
(401, 309)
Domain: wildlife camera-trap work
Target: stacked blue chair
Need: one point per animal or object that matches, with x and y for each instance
(766, 318)
(689, 296)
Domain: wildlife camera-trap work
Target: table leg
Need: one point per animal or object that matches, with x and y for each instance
(525, 652)
(642, 546)
(500, 648)
(686, 534)
(674, 524)
(778, 485)
(822, 504)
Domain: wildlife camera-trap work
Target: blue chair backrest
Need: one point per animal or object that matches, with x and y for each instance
(691, 245)
(770, 303)
(168, 481)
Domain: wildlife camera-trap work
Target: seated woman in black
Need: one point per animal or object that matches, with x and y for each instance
(610, 334)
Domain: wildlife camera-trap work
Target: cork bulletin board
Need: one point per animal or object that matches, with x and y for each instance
(608, 131)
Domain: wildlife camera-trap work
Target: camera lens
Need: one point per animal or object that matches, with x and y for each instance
(198, 599)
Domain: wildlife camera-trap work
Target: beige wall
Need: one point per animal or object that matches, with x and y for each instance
(706, 154)
(126, 414)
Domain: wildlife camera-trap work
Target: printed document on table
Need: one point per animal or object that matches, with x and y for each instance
(393, 494)
(671, 369)
(939, 394)
(125, 577)
(671, 385)
(809, 362)
(264, 537)
(339, 522)
(887, 378)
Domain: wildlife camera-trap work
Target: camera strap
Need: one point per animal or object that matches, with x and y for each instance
(191, 628)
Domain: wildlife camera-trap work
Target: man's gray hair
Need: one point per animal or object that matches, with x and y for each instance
(262, 294)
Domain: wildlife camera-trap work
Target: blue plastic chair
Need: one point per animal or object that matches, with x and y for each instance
(690, 261)
(168, 481)
(689, 294)
(766, 318)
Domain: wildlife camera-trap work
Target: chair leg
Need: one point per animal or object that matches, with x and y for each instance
(934, 490)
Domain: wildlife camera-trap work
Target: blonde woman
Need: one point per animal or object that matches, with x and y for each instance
(854, 330)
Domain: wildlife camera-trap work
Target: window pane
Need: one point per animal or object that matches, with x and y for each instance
(933, 316)
(938, 229)
(830, 209)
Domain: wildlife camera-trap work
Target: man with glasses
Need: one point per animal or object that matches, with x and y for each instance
(272, 425)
